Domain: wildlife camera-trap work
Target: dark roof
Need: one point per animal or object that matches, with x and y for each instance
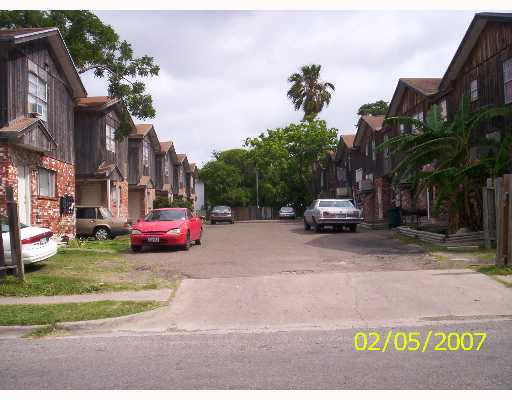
(22, 35)
(427, 86)
(18, 32)
(469, 41)
(181, 157)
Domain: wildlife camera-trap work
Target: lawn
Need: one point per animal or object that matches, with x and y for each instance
(50, 314)
(87, 266)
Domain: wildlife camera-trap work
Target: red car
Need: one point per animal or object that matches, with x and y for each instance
(167, 227)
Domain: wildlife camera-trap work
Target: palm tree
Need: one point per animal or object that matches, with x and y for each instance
(448, 146)
(308, 92)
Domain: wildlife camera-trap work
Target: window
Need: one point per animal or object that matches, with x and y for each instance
(369, 177)
(86, 213)
(46, 182)
(37, 95)
(386, 149)
(444, 110)
(145, 153)
(402, 128)
(507, 80)
(374, 150)
(166, 169)
(367, 149)
(359, 175)
(419, 117)
(110, 140)
(473, 90)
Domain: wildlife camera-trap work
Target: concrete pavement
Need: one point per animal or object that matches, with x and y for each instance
(328, 301)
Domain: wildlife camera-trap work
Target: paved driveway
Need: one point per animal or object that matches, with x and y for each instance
(254, 276)
(267, 248)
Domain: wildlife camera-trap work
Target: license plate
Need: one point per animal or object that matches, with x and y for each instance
(43, 241)
(153, 239)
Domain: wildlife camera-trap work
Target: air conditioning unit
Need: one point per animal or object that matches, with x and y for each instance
(36, 110)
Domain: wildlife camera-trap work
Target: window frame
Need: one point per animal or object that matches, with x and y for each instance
(473, 91)
(52, 185)
(145, 153)
(36, 98)
(443, 104)
(110, 138)
(507, 66)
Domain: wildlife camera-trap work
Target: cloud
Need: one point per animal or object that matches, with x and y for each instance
(224, 74)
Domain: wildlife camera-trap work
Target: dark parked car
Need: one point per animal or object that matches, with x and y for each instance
(221, 214)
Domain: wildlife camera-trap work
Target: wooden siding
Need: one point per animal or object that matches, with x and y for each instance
(90, 140)
(485, 64)
(60, 102)
(136, 169)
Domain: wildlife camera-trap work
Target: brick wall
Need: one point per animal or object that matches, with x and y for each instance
(45, 211)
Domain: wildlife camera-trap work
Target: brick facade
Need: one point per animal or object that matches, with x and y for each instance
(45, 211)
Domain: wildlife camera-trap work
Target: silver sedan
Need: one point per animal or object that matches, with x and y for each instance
(332, 212)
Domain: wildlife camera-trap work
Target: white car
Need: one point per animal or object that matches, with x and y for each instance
(332, 212)
(36, 244)
(286, 212)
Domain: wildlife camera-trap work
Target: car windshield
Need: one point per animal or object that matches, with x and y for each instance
(286, 209)
(106, 213)
(166, 215)
(336, 203)
(221, 209)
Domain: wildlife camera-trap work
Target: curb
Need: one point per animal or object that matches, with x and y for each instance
(76, 326)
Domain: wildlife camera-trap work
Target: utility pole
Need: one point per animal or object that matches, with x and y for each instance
(257, 189)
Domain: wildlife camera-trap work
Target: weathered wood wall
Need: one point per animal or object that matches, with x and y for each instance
(60, 101)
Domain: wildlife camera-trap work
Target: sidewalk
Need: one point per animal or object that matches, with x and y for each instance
(141, 295)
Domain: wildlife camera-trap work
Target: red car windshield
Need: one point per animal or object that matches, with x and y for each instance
(166, 215)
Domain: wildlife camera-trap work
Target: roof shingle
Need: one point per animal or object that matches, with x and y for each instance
(427, 86)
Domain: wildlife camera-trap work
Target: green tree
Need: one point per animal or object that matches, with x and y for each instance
(284, 158)
(223, 183)
(309, 92)
(450, 148)
(379, 107)
(96, 47)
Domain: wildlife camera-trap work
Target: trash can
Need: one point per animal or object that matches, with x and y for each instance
(394, 217)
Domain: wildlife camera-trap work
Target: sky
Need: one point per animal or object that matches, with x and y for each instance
(223, 75)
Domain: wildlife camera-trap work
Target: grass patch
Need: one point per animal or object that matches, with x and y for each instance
(45, 330)
(495, 270)
(50, 314)
(87, 266)
(47, 285)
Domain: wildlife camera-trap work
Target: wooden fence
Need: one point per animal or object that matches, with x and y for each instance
(254, 213)
(13, 226)
(497, 212)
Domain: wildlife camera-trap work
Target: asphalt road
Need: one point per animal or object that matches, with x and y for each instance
(280, 360)
(257, 249)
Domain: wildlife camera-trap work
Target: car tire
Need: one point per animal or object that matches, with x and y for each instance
(213, 222)
(102, 233)
(318, 228)
(353, 227)
(136, 249)
(307, 227)
(187, 244)
(232, 222)
(198, 241)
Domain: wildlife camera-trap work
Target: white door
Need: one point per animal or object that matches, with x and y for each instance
(24, 194)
